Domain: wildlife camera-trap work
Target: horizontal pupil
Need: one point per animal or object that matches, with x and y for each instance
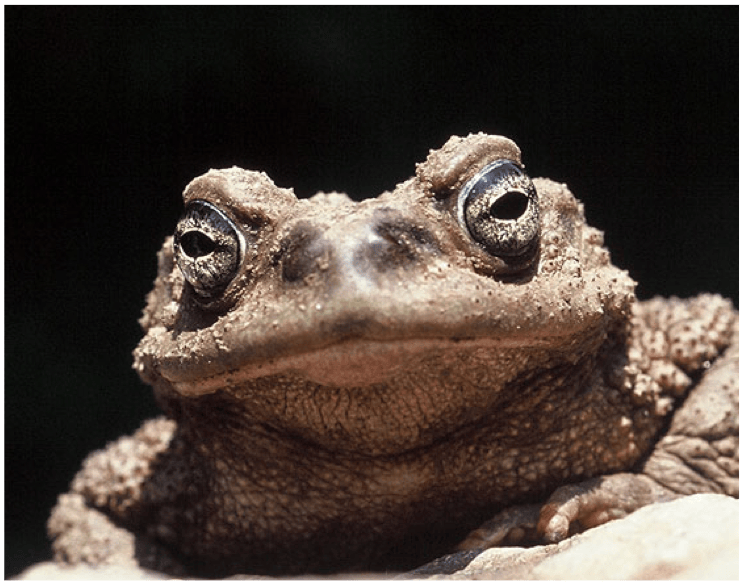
(511, 206)
(195, 244)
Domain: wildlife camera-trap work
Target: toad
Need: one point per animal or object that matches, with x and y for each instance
(359, 385)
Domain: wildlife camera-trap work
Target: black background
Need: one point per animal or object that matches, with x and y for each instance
(110, 112)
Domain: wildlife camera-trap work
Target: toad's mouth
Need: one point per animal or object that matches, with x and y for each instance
(353, 363)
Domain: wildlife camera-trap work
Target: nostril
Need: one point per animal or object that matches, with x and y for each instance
(394, 247)
(302, 252)
(395, 242)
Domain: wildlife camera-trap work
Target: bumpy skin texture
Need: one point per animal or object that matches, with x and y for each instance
(360, 385)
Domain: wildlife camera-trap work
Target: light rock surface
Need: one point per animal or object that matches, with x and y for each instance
(59, 572)
(696, 537)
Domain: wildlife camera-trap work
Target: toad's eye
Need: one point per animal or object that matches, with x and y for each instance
(208, 249)
(499, 208)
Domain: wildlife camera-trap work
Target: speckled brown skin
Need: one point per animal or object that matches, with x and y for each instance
(371, 382)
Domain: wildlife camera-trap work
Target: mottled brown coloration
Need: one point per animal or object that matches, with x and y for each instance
(354, 385)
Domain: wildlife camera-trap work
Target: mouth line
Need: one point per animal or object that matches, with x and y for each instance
(351, 363)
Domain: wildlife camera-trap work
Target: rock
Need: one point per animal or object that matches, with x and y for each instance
(695, 537)
(82, 572)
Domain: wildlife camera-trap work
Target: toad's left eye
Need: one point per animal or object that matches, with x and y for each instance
(499, 208)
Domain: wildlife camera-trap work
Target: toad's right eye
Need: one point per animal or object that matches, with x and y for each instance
(208, 248)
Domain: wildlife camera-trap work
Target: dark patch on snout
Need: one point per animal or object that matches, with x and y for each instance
(302, 252)
(400, 243)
